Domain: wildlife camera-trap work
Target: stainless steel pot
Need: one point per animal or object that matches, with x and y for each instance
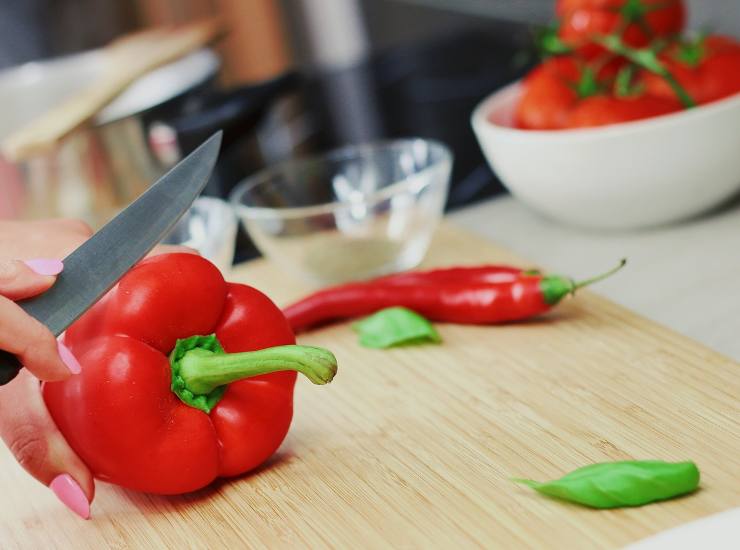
(100, 168)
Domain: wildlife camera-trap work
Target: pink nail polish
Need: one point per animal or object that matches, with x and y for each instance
(70, 360)
(69, 492)
(45, 266)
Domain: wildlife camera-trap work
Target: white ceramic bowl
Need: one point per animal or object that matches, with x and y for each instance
(631, 175)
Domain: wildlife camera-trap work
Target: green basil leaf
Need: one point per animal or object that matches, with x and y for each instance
(620, 484)
(395, 326)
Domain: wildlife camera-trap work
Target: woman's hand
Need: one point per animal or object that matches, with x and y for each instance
(30, 254)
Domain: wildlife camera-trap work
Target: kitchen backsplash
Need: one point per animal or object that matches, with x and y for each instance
(394, 22)
(716, 15)
(720, 15)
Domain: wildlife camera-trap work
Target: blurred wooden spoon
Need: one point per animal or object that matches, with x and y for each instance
(126, 60)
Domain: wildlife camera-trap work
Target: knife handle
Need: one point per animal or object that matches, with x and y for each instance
(10, 366)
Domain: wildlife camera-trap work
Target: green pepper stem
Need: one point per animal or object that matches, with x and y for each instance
(592, 280)
(203, 371)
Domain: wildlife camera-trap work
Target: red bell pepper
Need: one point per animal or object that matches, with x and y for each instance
(172, 426)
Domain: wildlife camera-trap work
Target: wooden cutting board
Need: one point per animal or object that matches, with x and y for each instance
(415, 447)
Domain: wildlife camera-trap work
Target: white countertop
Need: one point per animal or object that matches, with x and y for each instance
(685, 276)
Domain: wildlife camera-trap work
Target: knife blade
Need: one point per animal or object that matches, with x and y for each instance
(93, 268)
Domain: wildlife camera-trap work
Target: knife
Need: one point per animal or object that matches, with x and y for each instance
(93, 268)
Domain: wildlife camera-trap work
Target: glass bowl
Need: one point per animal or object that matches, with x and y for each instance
(209, 226)
(353, 213)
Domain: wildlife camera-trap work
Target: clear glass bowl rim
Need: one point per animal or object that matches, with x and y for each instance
(345, 152)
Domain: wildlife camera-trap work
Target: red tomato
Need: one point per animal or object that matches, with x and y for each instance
(549, 94)
(551, 91)
(716, 75)
(583, 19)
(604, 110)
(550, 99)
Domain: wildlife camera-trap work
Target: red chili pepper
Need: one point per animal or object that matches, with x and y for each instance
(464, 303)
(146, 423)
(466, 274)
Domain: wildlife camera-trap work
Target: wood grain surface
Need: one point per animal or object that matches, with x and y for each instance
(415, 447)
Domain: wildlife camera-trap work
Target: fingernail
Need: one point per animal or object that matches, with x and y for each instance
(45, 266)
(67, 490)
(70, 360)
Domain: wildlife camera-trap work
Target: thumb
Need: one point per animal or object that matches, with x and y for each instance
(21, 279)
(37, 444)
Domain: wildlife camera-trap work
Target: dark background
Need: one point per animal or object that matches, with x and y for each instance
(425, 63)
(34, 29)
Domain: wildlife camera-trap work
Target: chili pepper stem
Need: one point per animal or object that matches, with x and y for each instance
(203, 371)
(592, 280)
(555, 288)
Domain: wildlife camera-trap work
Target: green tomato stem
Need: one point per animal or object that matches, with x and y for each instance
(648, 60)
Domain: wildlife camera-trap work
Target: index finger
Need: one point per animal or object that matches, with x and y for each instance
(34, 344)
(23, 279)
